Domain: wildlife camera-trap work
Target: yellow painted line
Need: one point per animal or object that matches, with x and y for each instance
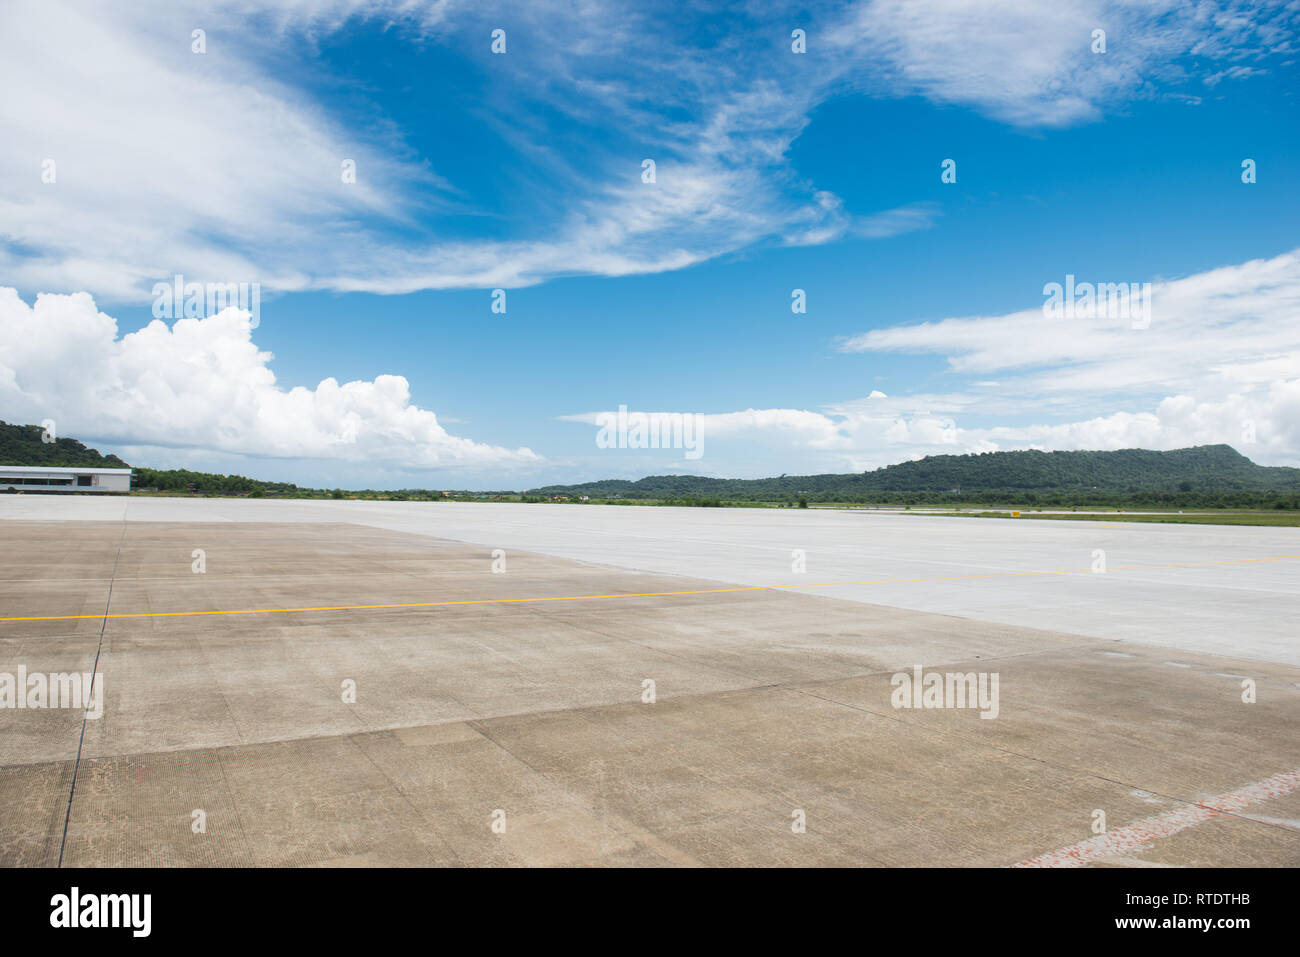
(644, 594)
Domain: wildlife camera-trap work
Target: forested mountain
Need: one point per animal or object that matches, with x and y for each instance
(1203, 470)
(22, 445)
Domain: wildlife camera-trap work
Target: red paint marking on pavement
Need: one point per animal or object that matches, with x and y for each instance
(1133, 836)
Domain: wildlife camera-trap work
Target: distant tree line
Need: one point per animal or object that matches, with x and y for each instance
(181, 480)
(1208, 476)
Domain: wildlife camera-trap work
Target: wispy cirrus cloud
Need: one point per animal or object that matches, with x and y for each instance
(1033, 64)
(1225, 329)
(229, 161)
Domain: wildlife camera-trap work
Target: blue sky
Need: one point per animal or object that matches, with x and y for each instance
(775, 170)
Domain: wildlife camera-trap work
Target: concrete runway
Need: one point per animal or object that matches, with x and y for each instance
(771, 706)
(1212, 589)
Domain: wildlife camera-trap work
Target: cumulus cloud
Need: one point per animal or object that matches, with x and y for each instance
(203, 384)
(1264, 425)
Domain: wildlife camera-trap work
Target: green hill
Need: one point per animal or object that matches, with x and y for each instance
(22, 445)
(1207, 475)
(1202, 474)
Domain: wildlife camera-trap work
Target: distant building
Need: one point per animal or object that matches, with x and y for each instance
(45, 478)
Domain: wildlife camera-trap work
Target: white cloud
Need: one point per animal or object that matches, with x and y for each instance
(1219, 363)
(1229, 328)
(215, 166)
(869, 433)
(168, 161)
(228, 166)
(1264, 425)
(1233, 73)
(203, 384)
(1031, 63)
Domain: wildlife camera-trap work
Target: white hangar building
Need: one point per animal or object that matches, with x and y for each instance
(50, 478)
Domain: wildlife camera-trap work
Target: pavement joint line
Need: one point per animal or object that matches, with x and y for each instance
(94, 671)
(234, 805)
(405, 796)
(797, 685)
(652, 594)
(555, 778)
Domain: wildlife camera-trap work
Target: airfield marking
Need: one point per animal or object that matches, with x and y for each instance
(648, 594)
(1135, 835)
